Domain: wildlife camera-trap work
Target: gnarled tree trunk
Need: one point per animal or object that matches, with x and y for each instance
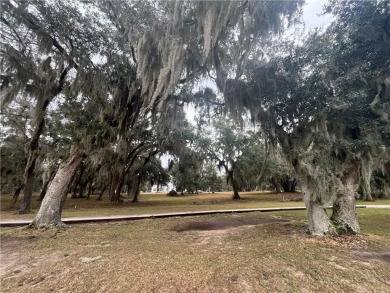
(49, 214)
(318, 220)
(344, 214)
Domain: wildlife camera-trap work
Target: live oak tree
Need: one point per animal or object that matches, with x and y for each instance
(149, 171)
(167, 43)
(367, 27)
(98, 90)
(211, 181)
(326, 106)
(41, 46)
(186, 172)
(228, 146)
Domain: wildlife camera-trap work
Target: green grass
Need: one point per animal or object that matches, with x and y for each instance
(374, 202)
(149, 256)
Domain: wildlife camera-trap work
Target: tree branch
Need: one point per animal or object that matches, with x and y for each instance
(33, 23)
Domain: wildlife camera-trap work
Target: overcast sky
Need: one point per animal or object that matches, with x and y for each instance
(311, 11)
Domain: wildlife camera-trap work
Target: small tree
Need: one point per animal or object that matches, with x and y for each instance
(232, 150)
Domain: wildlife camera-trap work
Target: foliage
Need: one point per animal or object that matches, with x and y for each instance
(210, 180)
(325, 103)
(235, 152)
(186, 174)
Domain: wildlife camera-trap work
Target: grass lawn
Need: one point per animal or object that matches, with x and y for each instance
(156, 203)
(268, 253)
(151, 203)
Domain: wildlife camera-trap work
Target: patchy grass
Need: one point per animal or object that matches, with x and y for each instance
(274, 255)
(151, 203)
(157, 203)
(374, 202)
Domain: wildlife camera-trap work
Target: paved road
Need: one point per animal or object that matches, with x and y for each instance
(82, 220)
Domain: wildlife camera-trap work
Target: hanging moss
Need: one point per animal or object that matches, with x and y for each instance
(193, 36)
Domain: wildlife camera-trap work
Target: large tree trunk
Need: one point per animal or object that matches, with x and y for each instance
(28, 183)
(83, 185)
(49, 214)
(119, 186)
(344, 214)
(90, 188)
(135, 189)
(114, 197)
(318, 220)
(77, 183)
(275, 181)
(235, 188)
(32, 158)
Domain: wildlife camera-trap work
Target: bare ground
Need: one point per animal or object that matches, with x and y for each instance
(217, 254)
(225, 223)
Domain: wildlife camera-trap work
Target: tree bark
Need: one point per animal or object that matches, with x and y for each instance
(344, 213)
(119, 186)
(275, 181)
(113, 195)
(318, 220)
(28, 183)
(77, 183)
(90, 188)
(83, 185)
(32, 158)
(49, 214)
(135, 189)
(16, 194)
(104, 187)
(235, 188)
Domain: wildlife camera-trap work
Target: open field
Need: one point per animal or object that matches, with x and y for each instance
(151, 203)
(254, 252)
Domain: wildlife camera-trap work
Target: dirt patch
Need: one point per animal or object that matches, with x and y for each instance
(225, 223)
(17, 250)
(368, 255)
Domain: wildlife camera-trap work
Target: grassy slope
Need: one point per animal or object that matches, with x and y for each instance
(148, 256)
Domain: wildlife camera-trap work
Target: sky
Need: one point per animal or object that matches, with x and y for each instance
(311, 11)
